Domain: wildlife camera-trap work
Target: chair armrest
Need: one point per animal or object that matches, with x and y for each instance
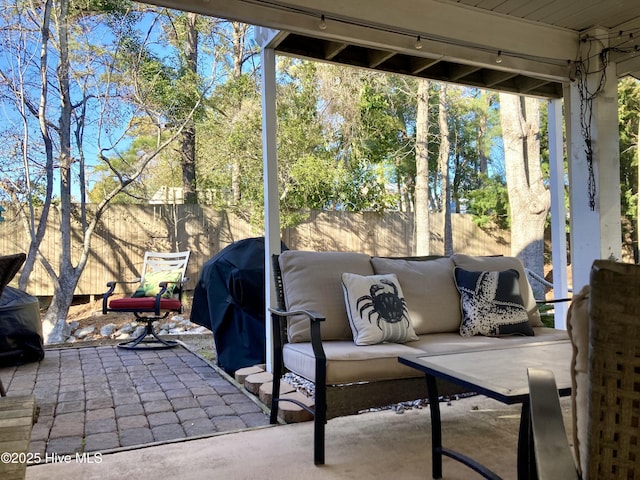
(316, 339)
(111, 288)
(315, 320)
(112, 285)
(310, 314)
(554, 458)
(164, 285)
(554, 300)
(117, 282)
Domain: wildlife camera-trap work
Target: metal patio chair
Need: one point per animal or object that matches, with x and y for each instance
(160, 292)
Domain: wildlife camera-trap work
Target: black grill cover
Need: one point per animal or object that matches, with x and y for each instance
(20, 328)
(229, 300)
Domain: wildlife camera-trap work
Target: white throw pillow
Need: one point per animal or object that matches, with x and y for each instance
(377, 309)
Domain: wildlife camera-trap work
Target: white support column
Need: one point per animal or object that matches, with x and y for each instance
(558, 213)
(271, 199)
(595, 233)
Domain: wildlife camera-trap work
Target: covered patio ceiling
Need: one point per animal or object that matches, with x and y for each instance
(519, 46)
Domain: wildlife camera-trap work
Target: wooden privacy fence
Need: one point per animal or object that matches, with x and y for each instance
(127, 231)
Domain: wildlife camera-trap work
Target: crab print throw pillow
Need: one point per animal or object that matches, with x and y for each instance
(491, 303)
(377, 309)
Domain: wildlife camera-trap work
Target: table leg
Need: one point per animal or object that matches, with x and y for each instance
(437, 450)
(526, 456)
(436, 427)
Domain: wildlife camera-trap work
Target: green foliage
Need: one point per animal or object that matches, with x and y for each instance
(547, 315)
(163, 87)
(310, 183)
(334, 153)
(228, 135)
(363, 188)
(474, 131)
(628, 127)
(96, 7)
(346, 137)
(489, 204)
(385, 132)
(629, 118)
(164, 170)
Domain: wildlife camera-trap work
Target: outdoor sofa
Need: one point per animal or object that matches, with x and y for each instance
(343, 319)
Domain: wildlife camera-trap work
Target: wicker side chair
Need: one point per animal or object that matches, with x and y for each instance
(604, 326)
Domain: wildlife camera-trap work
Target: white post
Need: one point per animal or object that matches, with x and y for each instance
(596, 233)
(558, 213)
(271, 199)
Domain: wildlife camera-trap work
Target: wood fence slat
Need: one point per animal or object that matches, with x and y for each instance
(127, 231)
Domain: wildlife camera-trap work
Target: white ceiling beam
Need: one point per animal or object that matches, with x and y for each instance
(629, 66)
(378, 57)
(448, 32)
(625, 42)
(418, 65)
(493, 77)
(460, 71)
(435, 18)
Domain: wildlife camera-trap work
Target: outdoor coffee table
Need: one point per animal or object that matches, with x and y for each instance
(500, 374)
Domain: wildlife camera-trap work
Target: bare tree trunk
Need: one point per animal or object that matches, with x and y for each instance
(57, 78)
(66, 279)
(422, 170)
(443, 167)
(36, 233)
(239, 37)
(188, 140)
(529, 199)
(482, 131)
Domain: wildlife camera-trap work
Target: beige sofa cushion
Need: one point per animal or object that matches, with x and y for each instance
(443, 343)
(493, 264)
(578, 329)
(429, 290)
(313, 281)
(349, 363)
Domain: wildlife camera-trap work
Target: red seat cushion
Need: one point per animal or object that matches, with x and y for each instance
(143, 304)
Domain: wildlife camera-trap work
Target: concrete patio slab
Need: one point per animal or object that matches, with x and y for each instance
(376, 446)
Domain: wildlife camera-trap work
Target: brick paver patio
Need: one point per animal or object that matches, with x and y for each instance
(95, 399)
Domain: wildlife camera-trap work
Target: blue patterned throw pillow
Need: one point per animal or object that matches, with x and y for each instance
(491, 303)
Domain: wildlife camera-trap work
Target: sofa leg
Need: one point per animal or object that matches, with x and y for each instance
(318, 439)
(275, 397)
(320, 420)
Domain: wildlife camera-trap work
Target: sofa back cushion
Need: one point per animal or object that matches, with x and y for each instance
(497, 264)
(429, 291)
(313, 281)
